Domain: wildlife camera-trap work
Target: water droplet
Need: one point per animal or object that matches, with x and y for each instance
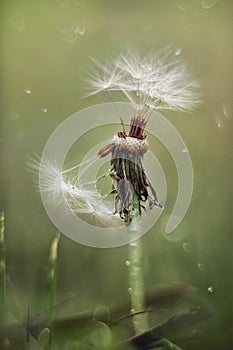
(207, 4)
(101, 312)
(210, 289)
(201, 267)
(45, 110)
(187, 247)
(218, 124)
(127, 263)
(28, 91)
(130, 290)
(81, 29)
(43, 337)
(178, 52)
(226, 111)
(132, 311)
(185, 150)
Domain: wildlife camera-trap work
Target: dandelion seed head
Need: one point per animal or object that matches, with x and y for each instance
(156, 81)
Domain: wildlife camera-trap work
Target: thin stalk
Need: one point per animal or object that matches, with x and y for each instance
(136, 284)
(52, 287)
(2, 282)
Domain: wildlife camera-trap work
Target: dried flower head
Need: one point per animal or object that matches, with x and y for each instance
(155, 81)
(151, 82)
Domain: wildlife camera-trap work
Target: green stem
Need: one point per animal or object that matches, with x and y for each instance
(52, 287)
(2, 282)
(136, 285)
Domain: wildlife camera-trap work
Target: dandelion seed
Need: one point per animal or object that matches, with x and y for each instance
(63, 187)
(152, 82)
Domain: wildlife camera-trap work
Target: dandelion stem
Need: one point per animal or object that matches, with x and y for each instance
(2, 282)
(52, 287)
(136, 286)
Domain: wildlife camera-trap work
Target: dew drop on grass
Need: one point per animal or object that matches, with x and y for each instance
(185, 150)
(127, 262)
(187, 247)
(130, 290)
(201, 267)
(45, 110)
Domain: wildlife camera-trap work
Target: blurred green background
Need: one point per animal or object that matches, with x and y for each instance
(46, 48)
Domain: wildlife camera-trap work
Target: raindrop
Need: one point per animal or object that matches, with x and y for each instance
(130, 290)
(127, 263)
(81, 30)
(226, 111)
(178, 52)
(210, 289)
(132, 311)
(45, 110)
(187, 247)
(218, 123)
(207, 4)
(28, 91)
(201, 267)
(185, 150)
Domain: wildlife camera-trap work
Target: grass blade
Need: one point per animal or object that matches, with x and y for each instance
(2, 282)
(52, 287)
